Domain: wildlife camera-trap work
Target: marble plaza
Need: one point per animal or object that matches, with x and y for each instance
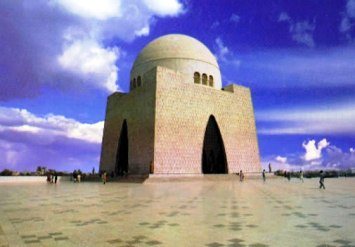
(203, 212)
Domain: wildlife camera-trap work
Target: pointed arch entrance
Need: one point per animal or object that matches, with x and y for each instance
(213, 153)
(122, 151)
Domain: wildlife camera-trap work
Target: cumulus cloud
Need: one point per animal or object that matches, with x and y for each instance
(284, 17)
(28, 140)
(223, 53)
(301, 31)
(316, 156)
(234, 18)
(68, 44)
(21, 120)
(92, 62)
(337, 159)
(281, 159)
(277, 163)
(222, 50)
(215, 24)
(350, 8)
(164, 7)
(142, 32)
(100, 10)
(314, 151)
(347, 24)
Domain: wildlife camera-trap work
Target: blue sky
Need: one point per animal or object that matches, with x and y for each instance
(60, 59)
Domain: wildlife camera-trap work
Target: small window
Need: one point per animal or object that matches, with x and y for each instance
(210, 81)
(197, 78)
(204, 79)
(139, 81)
(134, 83)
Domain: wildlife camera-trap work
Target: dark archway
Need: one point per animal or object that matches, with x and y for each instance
(122, 151)
(213, 153)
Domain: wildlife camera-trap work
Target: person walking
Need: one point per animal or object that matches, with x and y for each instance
(264, 176)
(301, 176)
(75, 176)
(321, 180)
(104, 177)
(241, 176)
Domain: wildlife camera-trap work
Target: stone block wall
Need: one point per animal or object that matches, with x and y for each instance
(182, 112)
(137, 108)
(167, 119)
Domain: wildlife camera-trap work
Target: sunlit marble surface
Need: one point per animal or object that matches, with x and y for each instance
(206, 212)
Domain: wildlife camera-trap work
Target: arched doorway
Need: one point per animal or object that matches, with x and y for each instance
(122, 151)
(213, 154)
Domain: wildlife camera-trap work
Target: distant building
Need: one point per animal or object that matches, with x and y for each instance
(177, 118)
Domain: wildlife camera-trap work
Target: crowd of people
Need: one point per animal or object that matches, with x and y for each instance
(52, 178)
(287, 175)
(76, 177)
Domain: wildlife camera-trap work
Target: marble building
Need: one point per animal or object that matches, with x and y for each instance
(177, 118)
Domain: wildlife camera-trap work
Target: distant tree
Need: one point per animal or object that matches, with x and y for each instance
(52, 171)
(6, 172)
(41, 170)
(348, 172)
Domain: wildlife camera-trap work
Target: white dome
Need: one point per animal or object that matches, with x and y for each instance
(180, 53)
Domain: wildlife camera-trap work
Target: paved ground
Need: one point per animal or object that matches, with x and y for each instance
(189, 213)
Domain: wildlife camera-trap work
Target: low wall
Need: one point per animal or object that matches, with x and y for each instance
(27, 179)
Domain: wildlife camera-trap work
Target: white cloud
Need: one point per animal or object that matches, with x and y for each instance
(336, 120)
(314, 152)
(275, 164)
(164, 7)
(88, 59)
(316, 156)
(142, 32)
(352, 150)
(215, 24)
(101, 10)
(71, 44)
(281, 159)
(28, 140)
(87, 132)
(234, 18)
(284, 17)
(222, 49)
(51, 126)
(301, 32)
(347, 23)
(224, 55)
(350, 8)
(338, 159)
(299, 68)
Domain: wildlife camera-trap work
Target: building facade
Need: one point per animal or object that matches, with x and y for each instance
(177, 118)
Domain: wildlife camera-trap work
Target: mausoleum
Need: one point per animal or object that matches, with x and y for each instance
(177, 118)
